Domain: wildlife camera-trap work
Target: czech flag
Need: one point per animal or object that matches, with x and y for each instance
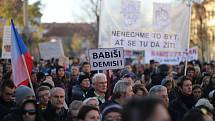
(20, 58)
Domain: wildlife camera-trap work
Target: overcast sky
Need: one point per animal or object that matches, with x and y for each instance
(63, 10)
(68, 10)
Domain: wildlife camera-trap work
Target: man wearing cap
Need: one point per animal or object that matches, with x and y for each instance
(86, 69)
(79, 92)
(23, 93)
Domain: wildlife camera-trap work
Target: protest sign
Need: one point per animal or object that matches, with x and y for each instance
(165, 26)
(106, 58)
(6, 45)
(133, 53)
(172, 58)
(63, 61)
(50, 50)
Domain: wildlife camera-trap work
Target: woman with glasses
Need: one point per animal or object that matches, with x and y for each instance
(29, 111)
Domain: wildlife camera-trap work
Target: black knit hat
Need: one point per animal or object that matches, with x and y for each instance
(82, 77)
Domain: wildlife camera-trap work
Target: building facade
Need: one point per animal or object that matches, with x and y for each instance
(202, 32)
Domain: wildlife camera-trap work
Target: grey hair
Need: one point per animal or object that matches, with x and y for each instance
(157, 88)
(98, 76)
(121, 86)
(42, 88)
(204, 102)
(75, 105)
(53, 90)
(91, 98)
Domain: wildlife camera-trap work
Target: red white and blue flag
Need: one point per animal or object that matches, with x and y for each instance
(20, 59)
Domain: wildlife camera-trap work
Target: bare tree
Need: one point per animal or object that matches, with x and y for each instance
(93, 12)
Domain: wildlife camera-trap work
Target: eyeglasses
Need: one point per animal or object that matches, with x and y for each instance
(30, 112)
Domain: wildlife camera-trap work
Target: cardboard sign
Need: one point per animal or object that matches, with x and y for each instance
(6, 46)
(50, 50)
(106, 58)
(63, 61)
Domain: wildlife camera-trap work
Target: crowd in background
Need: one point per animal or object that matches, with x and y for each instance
(138, 92)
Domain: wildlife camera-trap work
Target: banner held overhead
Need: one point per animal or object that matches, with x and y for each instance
(165, 26)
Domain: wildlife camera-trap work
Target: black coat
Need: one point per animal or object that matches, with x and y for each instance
(78, 93)
(208, 89)
(6, 107)
(14, 115)
(179, 106)
(50, 115)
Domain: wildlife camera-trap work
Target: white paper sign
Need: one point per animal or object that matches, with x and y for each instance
(50, 50)
(6, 46)
(172, 58)
(106, 58)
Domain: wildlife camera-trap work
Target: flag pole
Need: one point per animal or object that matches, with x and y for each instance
(29, 78)
(24, 61)
(187, 51)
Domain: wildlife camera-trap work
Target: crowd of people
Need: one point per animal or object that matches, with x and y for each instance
(138, 92)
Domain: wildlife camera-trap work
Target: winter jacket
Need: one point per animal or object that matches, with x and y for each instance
(179, 106)
(50, 115)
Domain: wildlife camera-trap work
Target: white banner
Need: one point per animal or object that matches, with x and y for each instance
(145, 40)
(106, 58)
(172, 58)
(6, 45)
(144, 25)
(50, 50)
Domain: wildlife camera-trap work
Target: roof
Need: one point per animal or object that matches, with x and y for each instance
(67, 29)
